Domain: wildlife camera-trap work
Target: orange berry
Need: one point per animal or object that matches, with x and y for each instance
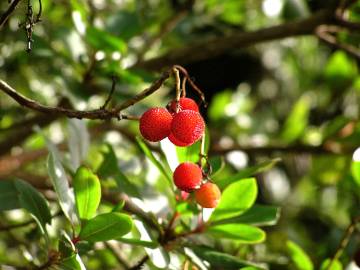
(208, 195)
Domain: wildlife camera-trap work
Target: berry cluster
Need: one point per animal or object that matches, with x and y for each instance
(183, 125)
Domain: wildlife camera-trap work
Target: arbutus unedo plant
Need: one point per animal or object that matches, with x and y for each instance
(96, 174)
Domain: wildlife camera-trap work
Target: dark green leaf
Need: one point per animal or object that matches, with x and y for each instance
(220, 260)
(240, 232)
(34, 202)
(73, 262)
(217, 164)
(87, 192)
(248, 172)
(8, 196)
(298, 256)
(236, 199)
(106, 227)
(258, 215)
(138, 242)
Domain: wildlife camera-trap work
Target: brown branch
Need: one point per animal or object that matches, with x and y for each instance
(324, 33)
(216, 46)
(4, 17)
(327, 148)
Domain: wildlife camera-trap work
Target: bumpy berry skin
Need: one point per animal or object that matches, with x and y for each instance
(187, 126)
(187, 176)
(176, 141)
(184, 104)
(155, 124)
(208, 195)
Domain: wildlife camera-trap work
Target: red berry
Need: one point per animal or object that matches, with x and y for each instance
(155, 124)
(187, 126)
(187, 176)
(208, 195)
(184, 104)
(176, 141)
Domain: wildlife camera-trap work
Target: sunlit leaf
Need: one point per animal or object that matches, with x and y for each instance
(87, 192)
(297, 120)
(298, 256)
(336, 265)
(240, 232)
(236, 199)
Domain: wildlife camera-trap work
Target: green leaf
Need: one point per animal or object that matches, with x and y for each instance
(78, 141)
(340, 70)
(217, 164)
(298, 256)
(61, 186)
(258, 215)
(66, 246)
(8, 196)
(109, 168)
(73, 262)
(240, 232)
(138, 242)
(248, 172)
(335, 266)
(220, 260)
(106, 227)
(87, 192)
(236, 199)
(297, 120)
(152, 158)
(105, 41)
(192, 153)
(34, 202)
(355, 171)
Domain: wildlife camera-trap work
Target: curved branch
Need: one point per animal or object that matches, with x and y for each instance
(216, 46)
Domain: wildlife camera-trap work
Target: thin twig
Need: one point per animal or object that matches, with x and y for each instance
(8, 12)
(177, 87)
(323, 33)
(192, 83)
(344, 241)
(113, 86)
(140, 264)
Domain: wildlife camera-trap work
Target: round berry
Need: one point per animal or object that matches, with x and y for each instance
(187, 176)
(208, 195)
(155, 124)
(176, 141)
(187, 126)
(184, 104)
